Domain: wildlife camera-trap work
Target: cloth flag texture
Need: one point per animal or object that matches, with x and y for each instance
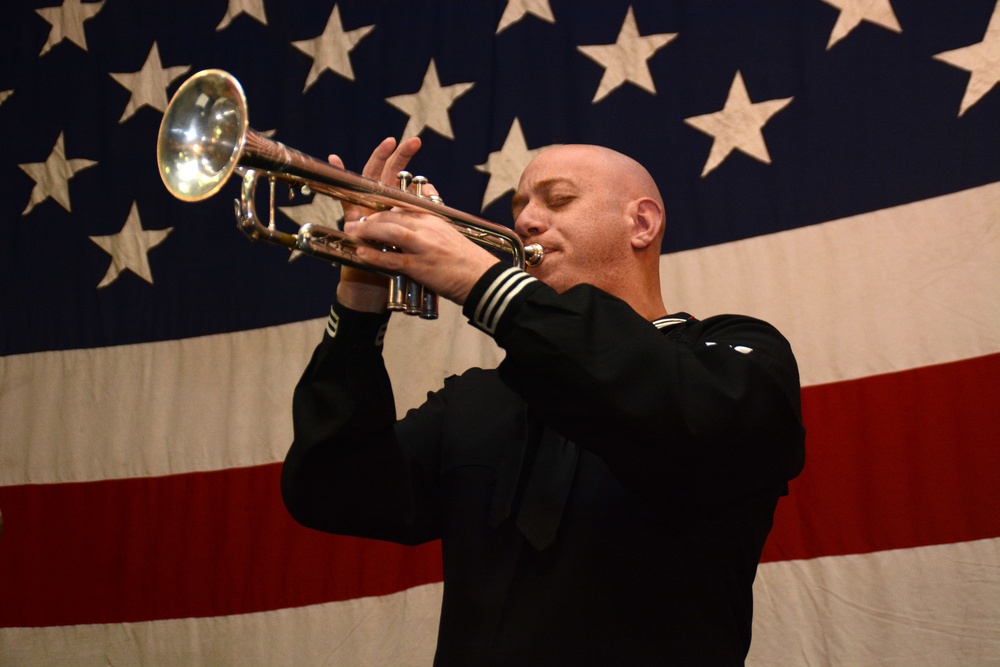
(831, 166)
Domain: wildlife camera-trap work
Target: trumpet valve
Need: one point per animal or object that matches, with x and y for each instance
(405, 178)
(414, 298)
(420, 182)
(429, 306)
(397, 294)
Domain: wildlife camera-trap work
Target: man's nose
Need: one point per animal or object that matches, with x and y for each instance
(529, 223)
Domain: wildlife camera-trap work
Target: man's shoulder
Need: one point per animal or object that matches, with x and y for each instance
(475, 382)
(735, 330)
(734, 321)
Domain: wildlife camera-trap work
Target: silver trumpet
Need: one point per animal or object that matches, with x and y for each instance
(205, 137)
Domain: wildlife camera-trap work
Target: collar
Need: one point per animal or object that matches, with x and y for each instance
(671, 321)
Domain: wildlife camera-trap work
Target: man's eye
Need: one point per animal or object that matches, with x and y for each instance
(556, 202)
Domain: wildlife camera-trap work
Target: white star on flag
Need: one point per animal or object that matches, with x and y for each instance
(149, 85)
(853, 12)
(252, 8)
(130, 247)
(52, 176)
(738, 125)
(331, 50)
(628, 58)
(505, 165)
(981, 60)
(517, 9)
(67, 22)
(429, 106)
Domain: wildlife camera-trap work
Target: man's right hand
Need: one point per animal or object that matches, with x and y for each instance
(364, 290)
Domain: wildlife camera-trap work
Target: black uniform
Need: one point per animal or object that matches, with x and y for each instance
(602, 497)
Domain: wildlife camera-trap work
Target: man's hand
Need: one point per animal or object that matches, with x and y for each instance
(364, 290)
(432, 251)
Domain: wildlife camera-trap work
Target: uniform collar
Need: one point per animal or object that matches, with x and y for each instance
(671, 321)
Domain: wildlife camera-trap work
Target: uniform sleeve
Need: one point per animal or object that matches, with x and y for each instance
(346, 471)
(711, 413)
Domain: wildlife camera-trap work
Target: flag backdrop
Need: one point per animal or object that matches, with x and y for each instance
(832, 166)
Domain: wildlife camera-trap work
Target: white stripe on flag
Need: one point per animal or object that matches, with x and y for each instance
(922, 606)
(908, 287)
(937, 605)
(398, 629)
(148, 410)
(222, 401)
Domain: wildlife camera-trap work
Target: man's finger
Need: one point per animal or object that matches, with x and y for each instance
(375, 167)
(429, 190)
(399, 159)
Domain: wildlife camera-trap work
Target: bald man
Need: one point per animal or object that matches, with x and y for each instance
(603, 496)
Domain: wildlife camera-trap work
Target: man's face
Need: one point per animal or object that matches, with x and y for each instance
(570, 200)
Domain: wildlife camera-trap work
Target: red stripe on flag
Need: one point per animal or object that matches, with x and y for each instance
(895, 461)
(879, 476)
(202, 544)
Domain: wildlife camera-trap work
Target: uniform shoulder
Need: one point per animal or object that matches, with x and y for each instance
(737, 330)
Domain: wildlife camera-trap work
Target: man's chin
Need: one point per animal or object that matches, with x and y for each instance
(553, 277)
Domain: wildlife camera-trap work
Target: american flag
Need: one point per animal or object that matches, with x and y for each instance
(832, 166)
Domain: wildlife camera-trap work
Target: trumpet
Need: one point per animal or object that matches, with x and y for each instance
(205, 138)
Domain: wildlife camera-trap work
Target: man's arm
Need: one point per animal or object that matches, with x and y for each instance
(346, 471)
(712, 411)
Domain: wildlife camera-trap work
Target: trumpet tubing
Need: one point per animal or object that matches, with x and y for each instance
(205, 138)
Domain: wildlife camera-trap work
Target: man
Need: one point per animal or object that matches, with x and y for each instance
(604, 495)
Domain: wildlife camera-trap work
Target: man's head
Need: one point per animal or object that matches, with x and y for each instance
(599, 216)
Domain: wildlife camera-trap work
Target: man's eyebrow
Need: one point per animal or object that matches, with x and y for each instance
(541, 186)
(516, 201)
(555, 180)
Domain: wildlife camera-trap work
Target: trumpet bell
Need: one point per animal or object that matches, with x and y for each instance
(205, 138)
(202, 135)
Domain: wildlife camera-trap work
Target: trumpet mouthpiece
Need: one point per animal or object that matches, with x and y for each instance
(533, 254)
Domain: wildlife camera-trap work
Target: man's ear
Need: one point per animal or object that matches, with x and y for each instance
(648, 223)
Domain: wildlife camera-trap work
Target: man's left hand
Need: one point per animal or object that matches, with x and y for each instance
(432, 251)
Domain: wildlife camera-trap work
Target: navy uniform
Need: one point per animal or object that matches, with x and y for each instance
(602, 497)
